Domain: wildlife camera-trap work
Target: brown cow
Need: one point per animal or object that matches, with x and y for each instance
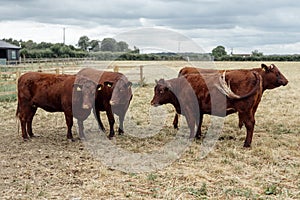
(114, 98)
(243, 90)
(71, 94)
(269, 74)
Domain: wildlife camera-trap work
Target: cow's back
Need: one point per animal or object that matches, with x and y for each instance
(194, 70)
(99, 76)
(241, 82)
(47, 91)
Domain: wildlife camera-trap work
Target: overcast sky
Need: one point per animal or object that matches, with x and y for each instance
(271, 27)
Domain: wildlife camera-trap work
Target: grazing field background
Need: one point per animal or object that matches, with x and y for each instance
(51, 167)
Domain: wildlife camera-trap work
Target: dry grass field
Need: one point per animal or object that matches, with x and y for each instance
(51, 167)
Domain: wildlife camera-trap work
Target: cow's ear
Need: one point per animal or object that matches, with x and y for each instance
(108, 84)
(99, 87)
(168, 85)
(129, 84)
(265, 67)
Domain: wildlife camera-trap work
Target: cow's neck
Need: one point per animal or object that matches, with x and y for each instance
(174, 101)
(176, 104)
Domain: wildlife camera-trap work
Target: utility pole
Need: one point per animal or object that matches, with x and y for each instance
(64, 35)
(179, 43)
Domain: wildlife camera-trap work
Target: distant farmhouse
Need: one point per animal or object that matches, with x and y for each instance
(9, 53)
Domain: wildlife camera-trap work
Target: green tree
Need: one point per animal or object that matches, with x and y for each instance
(44, 45)
(29, 44)
(12, 41)
(256, 53)
(109, 44)
(122, 46)
(83, 42)
(219, 52)
(95, 45)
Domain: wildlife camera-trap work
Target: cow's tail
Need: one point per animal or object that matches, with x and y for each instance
(17, 118)
(224, 87)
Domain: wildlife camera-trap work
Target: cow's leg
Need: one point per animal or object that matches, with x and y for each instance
(121, 124)
(111, 121)
(247, 118)
(175, 121)
(97, 116)
(69, 121)
(81, 129)
(23, 127)
(191, 121)
(198, 134)
(29, 121)
(24, 110)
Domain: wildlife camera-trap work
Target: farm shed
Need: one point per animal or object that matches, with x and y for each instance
(9, 53)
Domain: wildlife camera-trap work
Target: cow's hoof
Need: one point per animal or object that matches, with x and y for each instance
(25, 139)
(110, 138)
(71, 139)
(102, 129)
(121, 132)
(246, 145)
(34, 136)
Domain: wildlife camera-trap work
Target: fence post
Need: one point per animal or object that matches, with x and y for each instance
(141, 74)
(57, 70)
(116, 69)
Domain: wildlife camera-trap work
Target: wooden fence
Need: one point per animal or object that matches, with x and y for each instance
(9, 76)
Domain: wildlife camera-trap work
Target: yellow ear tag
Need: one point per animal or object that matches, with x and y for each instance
(100, 88)
(78, 89)
(108, 85)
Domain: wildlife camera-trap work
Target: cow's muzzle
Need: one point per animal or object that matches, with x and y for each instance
(86, 107)
(155, 104)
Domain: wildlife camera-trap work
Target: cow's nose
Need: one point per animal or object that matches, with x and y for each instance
(154, 104)
(85, 106)
(112, 102)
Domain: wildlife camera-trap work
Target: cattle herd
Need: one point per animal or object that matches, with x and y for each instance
(193, 93)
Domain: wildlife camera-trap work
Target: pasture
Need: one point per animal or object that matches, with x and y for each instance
(51, 167)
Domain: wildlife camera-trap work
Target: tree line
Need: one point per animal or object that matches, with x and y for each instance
(31, 49)
(219, 54)
(110, 49)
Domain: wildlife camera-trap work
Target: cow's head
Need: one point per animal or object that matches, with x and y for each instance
(84, 92)
(122, 92)
(162, 93)
(272, 77)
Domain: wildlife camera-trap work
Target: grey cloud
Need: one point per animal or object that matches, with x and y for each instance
(273, 22)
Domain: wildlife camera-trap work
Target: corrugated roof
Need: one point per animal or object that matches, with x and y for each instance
(6, 45)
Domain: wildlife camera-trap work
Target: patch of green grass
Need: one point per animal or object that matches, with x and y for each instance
(8, 98)
(199, 192)
(152, 177)
(245, 192)
(272, 190)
